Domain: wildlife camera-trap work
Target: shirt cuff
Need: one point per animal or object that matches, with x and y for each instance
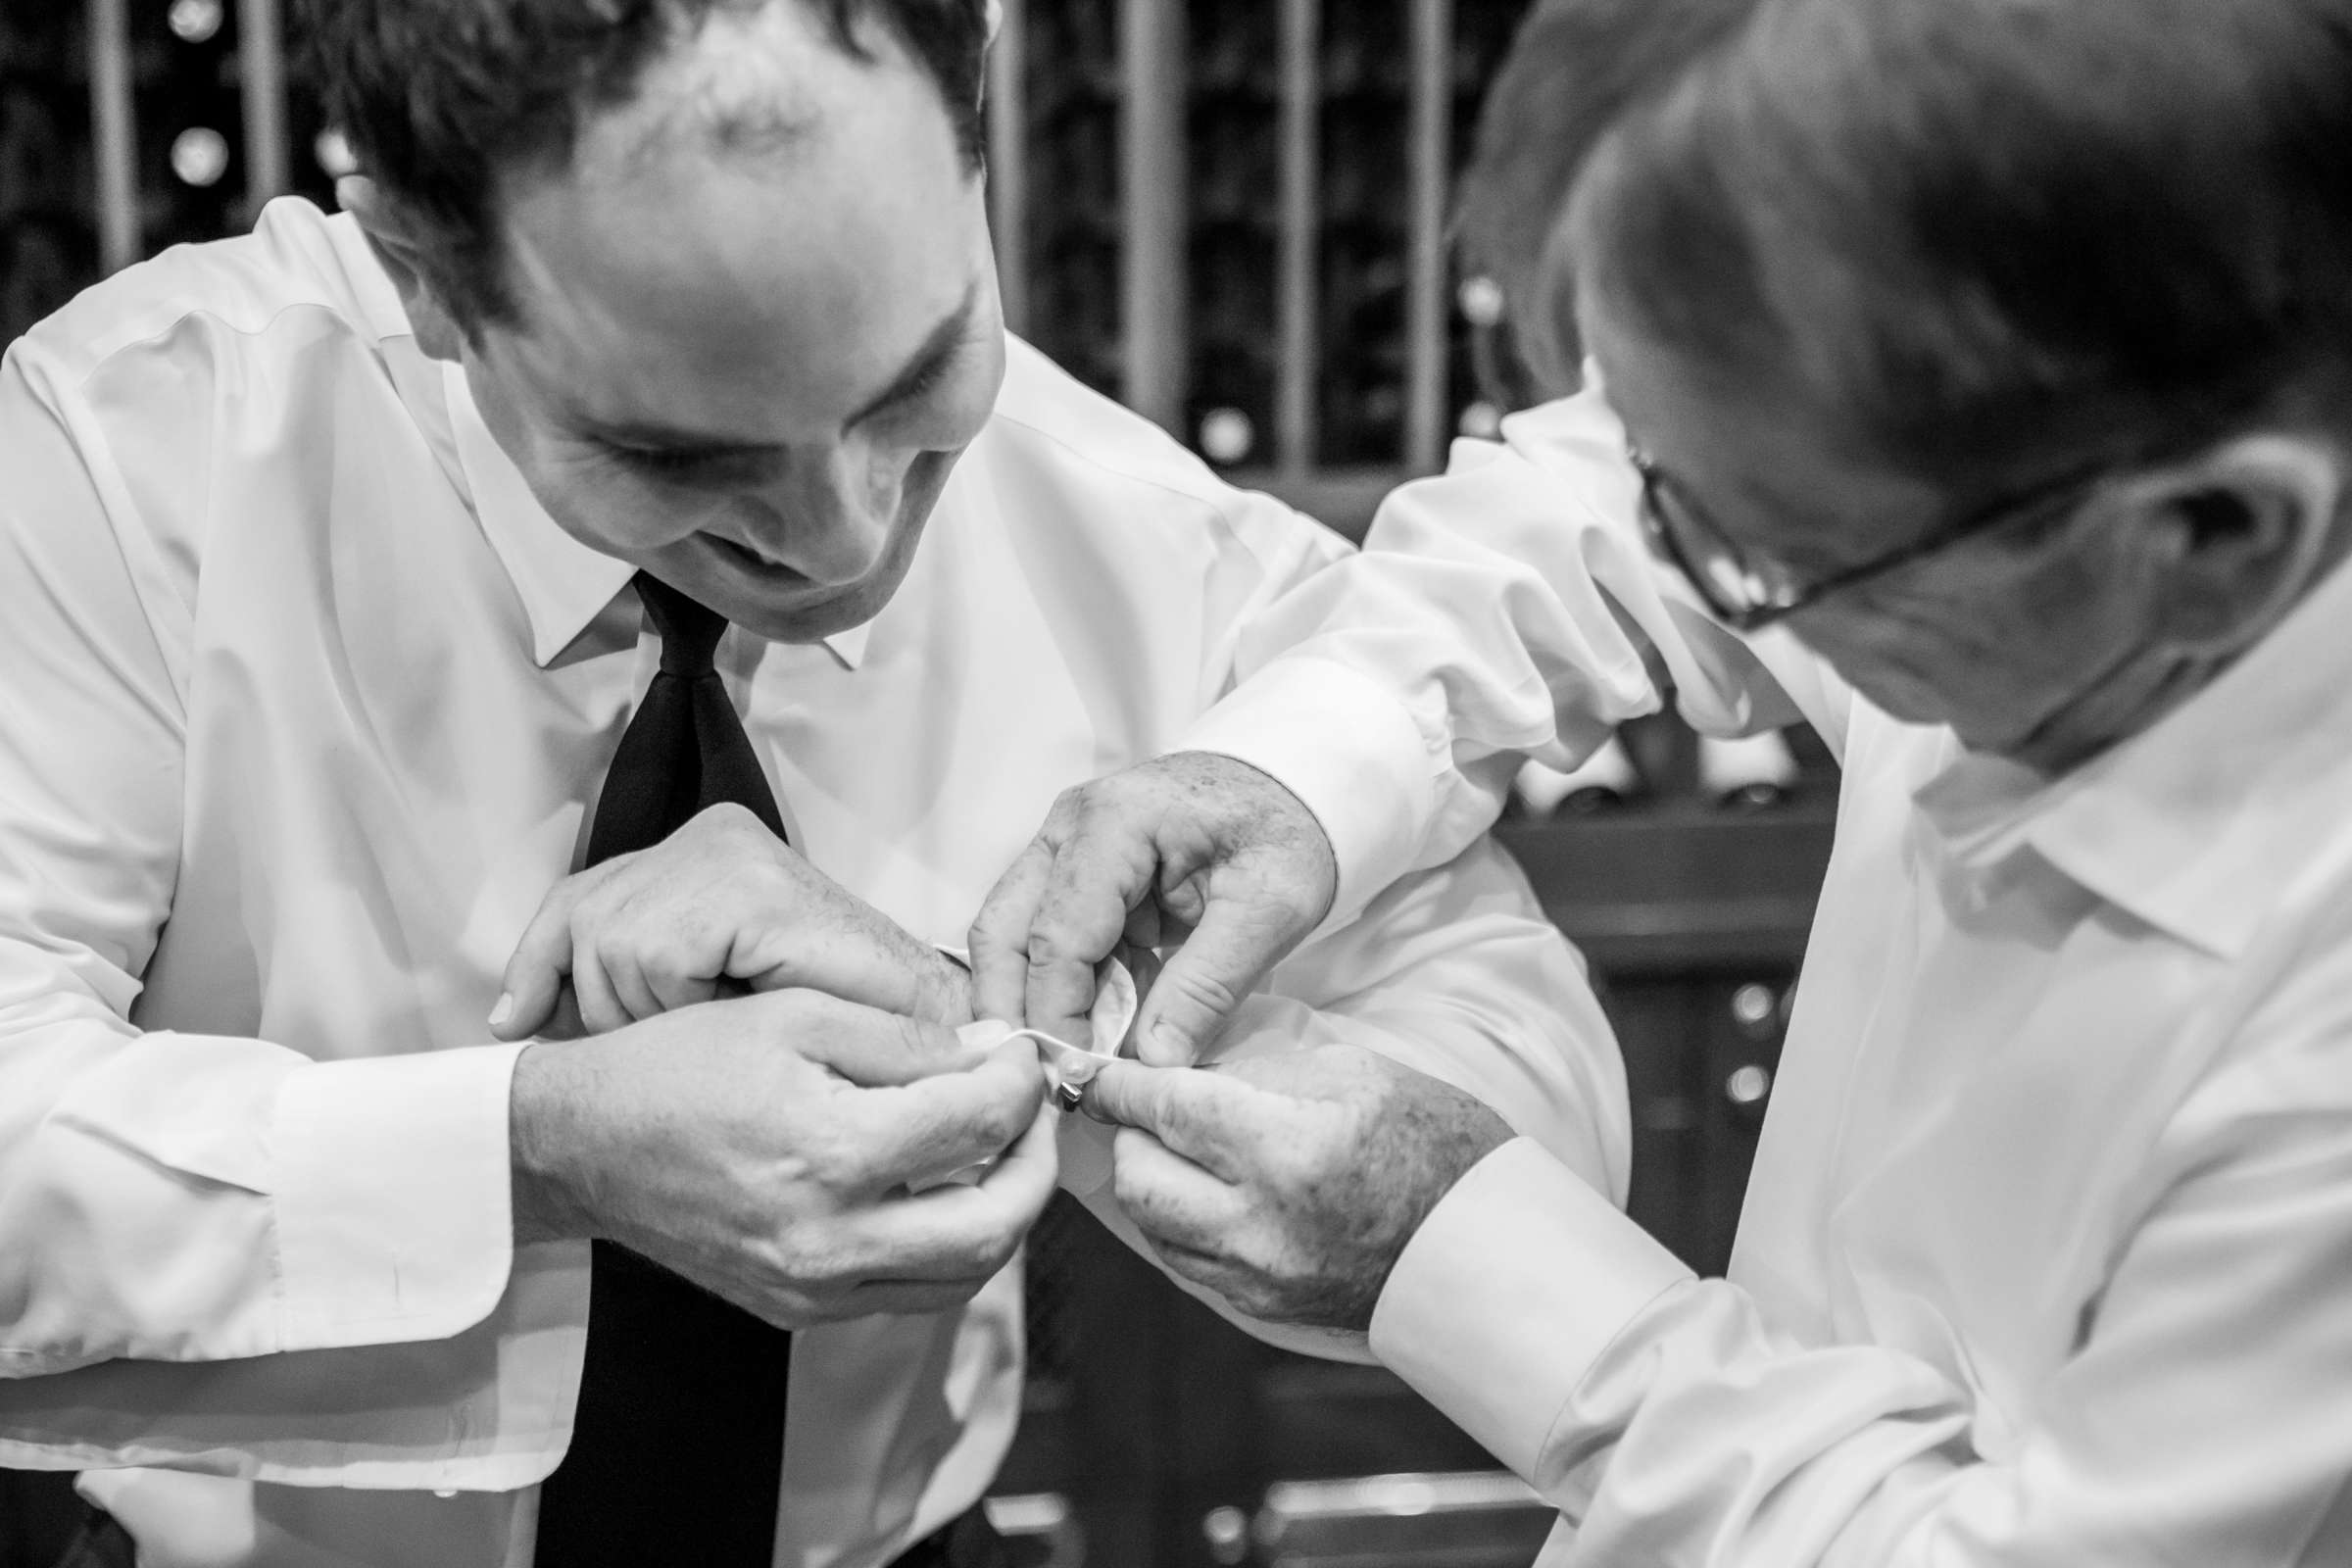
(394, 1197)
(1345, 746)
(1560, 1273)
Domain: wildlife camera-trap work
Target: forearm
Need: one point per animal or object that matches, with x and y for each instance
(2197, 1418)
(1508, 607)
(1456, 975)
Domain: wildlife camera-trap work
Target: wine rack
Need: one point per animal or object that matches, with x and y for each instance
(1233, 213)
(1230, 213)
(129, 125)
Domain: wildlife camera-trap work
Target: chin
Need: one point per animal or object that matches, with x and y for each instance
(798, 619)
(774, 601)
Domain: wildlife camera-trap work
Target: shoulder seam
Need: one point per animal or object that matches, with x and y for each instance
(207, 314)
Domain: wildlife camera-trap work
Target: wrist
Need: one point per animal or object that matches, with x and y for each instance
(544, 1136)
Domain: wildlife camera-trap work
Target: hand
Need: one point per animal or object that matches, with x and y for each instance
(720, 906)
(1193, 848)
(765, 1147)
(1289, 1184)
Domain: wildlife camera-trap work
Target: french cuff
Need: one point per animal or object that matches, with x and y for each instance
(1510, 1292)
(393, 1196)
(1345, 744)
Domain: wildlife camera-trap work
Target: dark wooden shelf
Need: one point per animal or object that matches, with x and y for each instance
(1679, 887)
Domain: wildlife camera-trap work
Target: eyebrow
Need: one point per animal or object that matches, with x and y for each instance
(939, 345)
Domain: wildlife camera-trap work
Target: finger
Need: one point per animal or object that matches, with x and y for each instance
(905, 1298)
(853, 965)
(679, 965)
(601, 1009)
(1204, 980)
(1000, 935)
(1210, 1120)
(565, 1022)
(865, 1298)
(870, 1047)
(960, 1233)
(1204, 1269)
(919, 1133)
(622, 961)
(1023, 1181)
(671, 990)
(1172, 1200)
(1105, 866)
(536, 971)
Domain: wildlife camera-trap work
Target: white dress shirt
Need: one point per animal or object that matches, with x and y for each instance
(2047, 1254)
(303, 702)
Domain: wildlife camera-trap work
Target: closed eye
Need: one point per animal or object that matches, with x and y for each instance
(703, 464)
(926, 379)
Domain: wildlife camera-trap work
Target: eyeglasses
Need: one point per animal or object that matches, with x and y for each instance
(1748, 590)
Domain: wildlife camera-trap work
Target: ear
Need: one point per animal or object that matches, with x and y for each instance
(2241, 535)
(397, 238)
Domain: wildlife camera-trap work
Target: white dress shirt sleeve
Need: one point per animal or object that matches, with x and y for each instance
(2201, 1418)
(1454, 972)
(164, 1195)
(1508, 607)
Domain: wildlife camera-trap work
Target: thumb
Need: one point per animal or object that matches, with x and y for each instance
(1204, 980)
(872, 1049)
(533, 982)
(1203, 1116)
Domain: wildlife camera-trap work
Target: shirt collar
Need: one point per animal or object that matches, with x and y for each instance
(563, 585)
(2200, 824)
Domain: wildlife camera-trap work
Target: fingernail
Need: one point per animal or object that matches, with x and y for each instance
(504, 1010)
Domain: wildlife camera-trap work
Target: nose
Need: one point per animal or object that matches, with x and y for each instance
(831, 516)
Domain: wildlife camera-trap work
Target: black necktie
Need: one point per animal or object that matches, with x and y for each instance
(678, 1444)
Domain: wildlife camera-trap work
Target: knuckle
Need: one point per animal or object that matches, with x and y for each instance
(613, 945)
(1073, 802)
(1208, 993)
(1057, 939)
(665, 961)
(988, 1252)
(838, 1160)
(1141, 1204)
(728, 818)
(1293, 1167)
(808, 1259)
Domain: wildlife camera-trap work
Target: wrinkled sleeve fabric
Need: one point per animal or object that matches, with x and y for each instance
(172, 1196)
(1506, 609)
(2201, 1419)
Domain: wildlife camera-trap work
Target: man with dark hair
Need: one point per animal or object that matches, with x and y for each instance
(444, 99)
(1978, 386)
(637, 477)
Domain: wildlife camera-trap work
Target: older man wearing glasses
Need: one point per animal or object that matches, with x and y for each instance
(1988, 371)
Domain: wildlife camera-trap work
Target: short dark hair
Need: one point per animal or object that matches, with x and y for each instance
(1981, 236)
(440, 98)
(1574, 67)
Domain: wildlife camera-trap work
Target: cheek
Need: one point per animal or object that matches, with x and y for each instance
(617, 513)
(1997, 649)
